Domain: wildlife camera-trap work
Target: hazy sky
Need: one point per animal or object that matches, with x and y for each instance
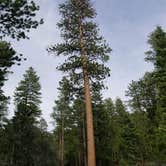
(125, 24)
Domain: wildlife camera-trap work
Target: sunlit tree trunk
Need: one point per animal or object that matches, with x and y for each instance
(61, 142)
(84, 139)
(88, 103)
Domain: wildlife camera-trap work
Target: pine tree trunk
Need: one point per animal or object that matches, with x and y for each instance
(59, 152)
(11, 159)
(79, 158)
(89, 115)
(143, 161)
(61, 142)
(84, 139)
(89, 120)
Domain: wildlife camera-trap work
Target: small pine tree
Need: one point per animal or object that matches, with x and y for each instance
(28, 94)
(27, 99)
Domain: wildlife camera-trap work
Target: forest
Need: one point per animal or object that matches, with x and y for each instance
(88, 129)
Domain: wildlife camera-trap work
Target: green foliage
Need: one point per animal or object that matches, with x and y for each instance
(44, 149)
(121, 137)
(24, 140)
(157, 55)
(8, 58)
(24, 144)
(144, 133)
(77, 16)
(68, 116)
(83, 49)
(142, 95)
(27, 100)
(3, 110)
(103, 132)
(147, 99)
(28, 94)
(17, 18)
(157, 41)
(62, 107)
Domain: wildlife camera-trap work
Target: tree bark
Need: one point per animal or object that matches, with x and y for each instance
(62, 141)
(88, 103)
(62, 152)
(11, 159)
(84, 139)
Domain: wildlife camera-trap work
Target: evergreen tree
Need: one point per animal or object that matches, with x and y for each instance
(61, 116)
(27, 100)
(43, 125)
(86, 54)
(16, 18)
(8, 58)
(147, 98)
(157, 55)
(44, 150)
(28, 95)
(78, 111)
(143, 103)
(129, 148)
(142, 96)
(144, 133)
(6, 135)
(103, 134)
(118, 125)
(35, 145)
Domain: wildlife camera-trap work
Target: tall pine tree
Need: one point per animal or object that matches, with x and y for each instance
(86, 54)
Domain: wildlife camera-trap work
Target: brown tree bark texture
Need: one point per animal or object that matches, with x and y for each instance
(89, 115)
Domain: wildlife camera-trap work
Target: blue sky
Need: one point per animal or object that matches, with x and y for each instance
(125, 24)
